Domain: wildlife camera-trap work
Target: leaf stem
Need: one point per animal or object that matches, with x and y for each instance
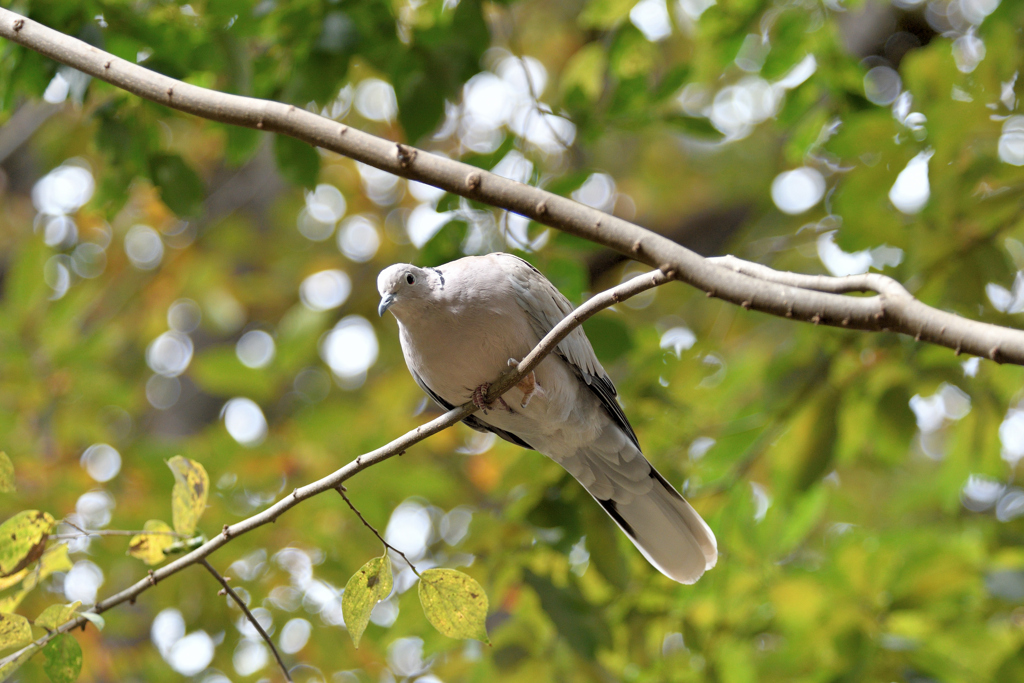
(341, 492)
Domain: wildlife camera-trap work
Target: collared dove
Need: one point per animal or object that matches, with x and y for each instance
(462, 324)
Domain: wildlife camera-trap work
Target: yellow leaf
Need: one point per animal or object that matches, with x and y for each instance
(14, 631)
(55, 615)
(368, 586)
(55, 559)
(11, 602)
(188, 499)
(150, 547)
(455, 604)
(6, 474)
(23, 540)
(8, 581)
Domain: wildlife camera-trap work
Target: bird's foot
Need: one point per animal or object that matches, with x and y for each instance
(480, 399)
(528, 385)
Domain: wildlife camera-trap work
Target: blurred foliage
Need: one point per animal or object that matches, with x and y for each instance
(869, 528)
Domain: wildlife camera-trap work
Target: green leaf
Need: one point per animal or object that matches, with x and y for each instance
(150, 547)
(188, 498)
(454, 603)
(14, 631)
(23, 540)
(55, 615)
(181, 189)
(805, 516)
(6, 474)
(585, 72)
(605, 14)
(368, 586)
(297, 161)
(62, 659)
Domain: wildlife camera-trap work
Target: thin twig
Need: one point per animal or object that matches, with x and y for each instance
(248, 615)
(341, 491)
(112, 532)
(506, 381)
(884, 312)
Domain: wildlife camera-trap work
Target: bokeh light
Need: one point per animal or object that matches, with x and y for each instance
(169, 354)
(350, 349)
(294, 635)
(1011, 141)
(325, 206)
(101, 461)
(184, 316)
(651, 17)
(255, 349)
(375, 100)
(796, 191)
(359, 239)
(144, 247)
(83, 582)
(409, 529)
(244, 421)
(911, 191)
(65, 189)
(882, 85)
(325, 290)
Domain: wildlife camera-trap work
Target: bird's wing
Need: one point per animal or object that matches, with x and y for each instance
(545, 307)
(472, 421)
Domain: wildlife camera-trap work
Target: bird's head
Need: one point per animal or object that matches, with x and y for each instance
(403, 285)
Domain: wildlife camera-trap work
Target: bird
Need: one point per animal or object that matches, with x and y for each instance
(463, 323)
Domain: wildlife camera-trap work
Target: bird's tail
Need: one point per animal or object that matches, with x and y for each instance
(655, 517)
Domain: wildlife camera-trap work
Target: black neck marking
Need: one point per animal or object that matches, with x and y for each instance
(440, 276)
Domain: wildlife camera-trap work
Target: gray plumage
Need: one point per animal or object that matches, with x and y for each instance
(459, 326)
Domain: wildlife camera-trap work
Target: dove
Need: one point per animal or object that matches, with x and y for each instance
(464, 323)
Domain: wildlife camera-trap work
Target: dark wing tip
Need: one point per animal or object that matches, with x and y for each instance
(613, 512)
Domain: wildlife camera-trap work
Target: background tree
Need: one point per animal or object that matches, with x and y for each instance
(174, 286)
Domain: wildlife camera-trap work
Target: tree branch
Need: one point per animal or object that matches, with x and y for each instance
(248, 615)
(888, 311)
(506, 381)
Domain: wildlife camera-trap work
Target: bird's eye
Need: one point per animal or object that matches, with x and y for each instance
(410, 279)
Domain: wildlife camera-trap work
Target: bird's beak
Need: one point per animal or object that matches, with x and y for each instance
(385, 304)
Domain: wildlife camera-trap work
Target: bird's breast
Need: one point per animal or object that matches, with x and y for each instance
(454, 354)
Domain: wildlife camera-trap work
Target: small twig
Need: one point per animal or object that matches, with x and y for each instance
(341, 492)
(110, 532)
(248, 615)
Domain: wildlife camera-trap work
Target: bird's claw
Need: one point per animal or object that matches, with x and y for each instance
(528, 385)
(480, 399)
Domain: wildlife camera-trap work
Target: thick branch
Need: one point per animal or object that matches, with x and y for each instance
(897, 312)
(510, 378)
